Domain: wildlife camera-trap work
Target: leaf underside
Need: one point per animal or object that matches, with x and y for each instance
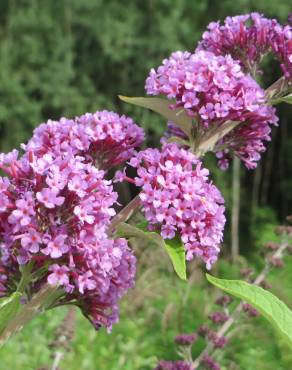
(161, 106)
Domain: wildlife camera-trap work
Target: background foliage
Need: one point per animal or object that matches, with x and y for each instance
(62, 58)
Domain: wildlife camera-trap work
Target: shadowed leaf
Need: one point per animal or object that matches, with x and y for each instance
(161, 106)
(173, 247)
(8, 309)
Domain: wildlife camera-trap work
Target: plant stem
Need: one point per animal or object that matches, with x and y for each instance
(58, 357)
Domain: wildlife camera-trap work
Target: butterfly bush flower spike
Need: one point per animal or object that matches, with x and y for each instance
(248, 38)
(212, 90)
(55, 211)
(103, 138)
(178, 199)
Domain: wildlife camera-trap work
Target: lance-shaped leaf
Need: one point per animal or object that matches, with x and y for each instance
(177, 254)
(178, 140)
(8, 309)
(173, 247)
(285, 99)
(278, 88)
(265, 302)
(161, 106)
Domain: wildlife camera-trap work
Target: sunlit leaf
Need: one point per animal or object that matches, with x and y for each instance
(265, 302)
(177, 254)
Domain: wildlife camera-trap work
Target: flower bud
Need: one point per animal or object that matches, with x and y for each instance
(252, 312)
(210, 363)
(218, 317)
(185, 339)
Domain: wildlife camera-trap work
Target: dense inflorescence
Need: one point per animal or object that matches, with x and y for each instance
(178, 200)
(212, 90)
(103, 138)
(55, 208)
(249, 38)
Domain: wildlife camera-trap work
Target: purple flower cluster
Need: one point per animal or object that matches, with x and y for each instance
(103, 138)
(218, 317)
(210, 363)
(247, 308)
(224, 300)
(211, 335)
(56, 206)
(248, 38)
(178, 199)
(246, 273)
(271, 246)
(276, 262)
(173, 365)
(185, 339)
(212, 90)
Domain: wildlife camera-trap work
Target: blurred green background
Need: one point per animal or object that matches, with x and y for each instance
(66, 57)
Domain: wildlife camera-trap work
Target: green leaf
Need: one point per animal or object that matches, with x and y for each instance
(130, 231)
(177, 254)
(9, 308)
(161, 106)
(204, 142)
(178, 140)
(265, 302)
(173, 247)
(286, 99)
